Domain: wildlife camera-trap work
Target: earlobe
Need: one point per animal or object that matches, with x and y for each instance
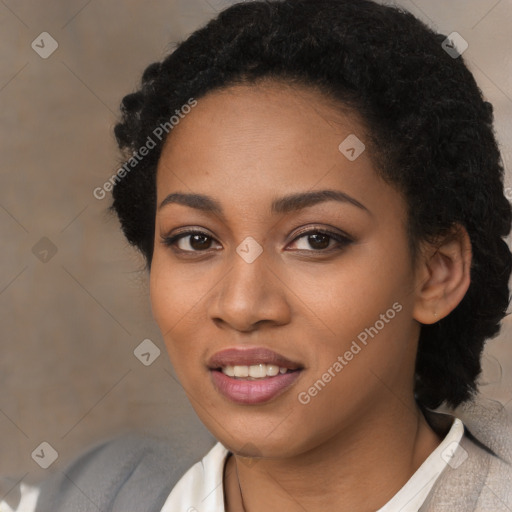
(443, 276)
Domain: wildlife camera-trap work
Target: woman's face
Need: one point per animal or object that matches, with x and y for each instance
(337, 306)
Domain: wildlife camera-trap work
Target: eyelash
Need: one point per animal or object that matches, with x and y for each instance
(342, 241)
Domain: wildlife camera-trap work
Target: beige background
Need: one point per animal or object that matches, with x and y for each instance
(70, 325)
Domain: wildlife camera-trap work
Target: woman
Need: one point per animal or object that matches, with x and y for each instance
(318, 194)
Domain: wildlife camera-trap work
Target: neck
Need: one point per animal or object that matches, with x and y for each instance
(356, 471)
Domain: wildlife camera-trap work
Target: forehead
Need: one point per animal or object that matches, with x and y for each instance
(269, 105)
(250, 141)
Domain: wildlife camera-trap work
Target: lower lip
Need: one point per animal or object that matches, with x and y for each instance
(253, 391)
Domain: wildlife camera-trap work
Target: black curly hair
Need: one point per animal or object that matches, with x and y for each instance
(431, 128)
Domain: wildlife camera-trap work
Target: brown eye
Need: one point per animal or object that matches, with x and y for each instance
(317, 240)
(200, 242)
(190, 241)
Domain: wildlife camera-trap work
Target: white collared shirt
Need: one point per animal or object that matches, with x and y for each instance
(201, 487)
(29, 495)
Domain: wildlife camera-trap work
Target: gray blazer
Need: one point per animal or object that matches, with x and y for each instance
(124, 474)
(136, 474)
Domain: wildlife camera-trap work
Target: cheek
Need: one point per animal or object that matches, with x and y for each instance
(354, 295)
(364, 309)
(178, 290)
(176, 306)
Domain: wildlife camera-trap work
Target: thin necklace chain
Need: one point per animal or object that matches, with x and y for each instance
(239, 486)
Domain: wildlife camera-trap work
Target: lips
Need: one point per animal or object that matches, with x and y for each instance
(255, 392)
(249, 357)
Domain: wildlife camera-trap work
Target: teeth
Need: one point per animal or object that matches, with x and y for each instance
(255, 371)
(258, 371)
(241, 371)
(229, 371)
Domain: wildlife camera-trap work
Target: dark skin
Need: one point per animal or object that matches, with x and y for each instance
(359, 440)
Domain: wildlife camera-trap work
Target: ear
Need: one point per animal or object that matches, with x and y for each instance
(442, 275)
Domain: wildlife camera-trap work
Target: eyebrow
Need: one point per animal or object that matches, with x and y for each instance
(281, 205)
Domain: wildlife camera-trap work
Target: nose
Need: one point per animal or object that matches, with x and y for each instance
(250, 294)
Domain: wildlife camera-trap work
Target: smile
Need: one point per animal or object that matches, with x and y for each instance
(248, 390)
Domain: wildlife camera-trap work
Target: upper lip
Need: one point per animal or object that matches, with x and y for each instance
(250, 356)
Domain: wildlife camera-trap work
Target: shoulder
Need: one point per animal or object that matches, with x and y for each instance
(474, 480)
(130, 472)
